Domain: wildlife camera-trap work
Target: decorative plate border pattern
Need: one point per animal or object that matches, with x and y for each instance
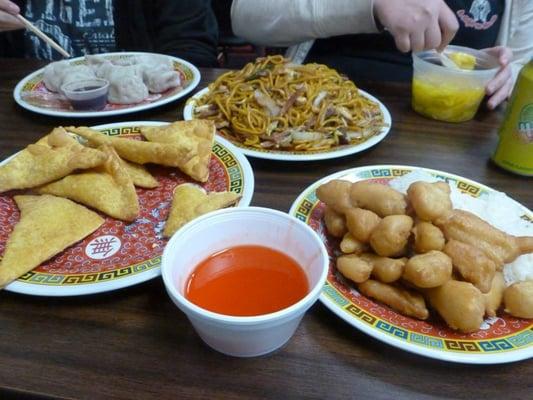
(239, 174)
(339, 151)
(303, 209)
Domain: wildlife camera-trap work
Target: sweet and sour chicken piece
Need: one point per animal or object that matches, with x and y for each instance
(405, 301)
(429, 200)
(381, 199)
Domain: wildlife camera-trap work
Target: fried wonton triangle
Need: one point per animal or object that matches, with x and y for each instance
(107, 188)
(190, 201)
(196, 134)
(140, 152)
(51, 158)
(140, 175)
(47, 225)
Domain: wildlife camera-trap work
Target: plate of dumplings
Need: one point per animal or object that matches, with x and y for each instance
(137, 81)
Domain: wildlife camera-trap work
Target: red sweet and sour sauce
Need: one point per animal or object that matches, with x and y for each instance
(247, 280)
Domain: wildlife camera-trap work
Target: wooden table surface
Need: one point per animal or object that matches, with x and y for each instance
(135, 344)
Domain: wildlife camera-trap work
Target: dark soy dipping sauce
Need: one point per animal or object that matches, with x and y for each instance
(94, 104)
(86, 88)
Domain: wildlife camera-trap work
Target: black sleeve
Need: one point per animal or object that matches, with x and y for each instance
(186, 29)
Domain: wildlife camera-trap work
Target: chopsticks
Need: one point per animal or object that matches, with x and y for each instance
(40, 34)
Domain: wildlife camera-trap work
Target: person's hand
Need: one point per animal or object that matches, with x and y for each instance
(417, 25)
(8, 22)
(500, 87)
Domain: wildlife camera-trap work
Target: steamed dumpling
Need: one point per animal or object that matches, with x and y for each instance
(127, 89)
(77, 73)
(159, 79)
(53, 75)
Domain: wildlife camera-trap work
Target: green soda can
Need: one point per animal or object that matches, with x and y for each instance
(515, 149)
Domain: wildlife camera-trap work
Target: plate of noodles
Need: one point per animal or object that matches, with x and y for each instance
(277, 110)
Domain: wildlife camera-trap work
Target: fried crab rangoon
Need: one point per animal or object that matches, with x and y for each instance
(52, 157)
(407, 302)
(190, 201)
(198, 135)
(47, 226)
(108, 188)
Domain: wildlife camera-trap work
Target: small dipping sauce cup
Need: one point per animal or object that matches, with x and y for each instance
(87, 95)
(449, 94)
(244, 336)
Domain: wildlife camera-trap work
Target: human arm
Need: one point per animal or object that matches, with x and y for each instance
(287, 22)
(8, 22)
(415, 24)
(187, 29)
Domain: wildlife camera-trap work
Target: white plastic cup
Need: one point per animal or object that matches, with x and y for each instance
(449, 94)
(213, 232)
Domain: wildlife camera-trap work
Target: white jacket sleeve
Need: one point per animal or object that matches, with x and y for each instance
(516, 32)
(286, 22)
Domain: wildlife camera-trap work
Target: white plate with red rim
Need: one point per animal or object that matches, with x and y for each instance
(334, 152)
(501, 340)
(119, 254)
(31, 93)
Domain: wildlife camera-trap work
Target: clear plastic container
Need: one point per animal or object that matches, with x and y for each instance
(449, 94)
(87, 95)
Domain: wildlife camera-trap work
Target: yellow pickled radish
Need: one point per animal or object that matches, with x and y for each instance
(463, 60)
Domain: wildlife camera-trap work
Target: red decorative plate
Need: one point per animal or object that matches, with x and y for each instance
(122, 254)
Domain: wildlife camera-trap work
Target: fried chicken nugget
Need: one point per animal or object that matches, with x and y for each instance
(493, 299)
(459, 303)
(385, 269)
(469, 228)
(336, 194)
(335, 222)
(518, 299)
(405, 301)
(428, 270)
(473, 265)
(429, 200)
(427, 237)
(361, 223)
(389, 238)
(350, 245)
(381, 199)
(354, 268)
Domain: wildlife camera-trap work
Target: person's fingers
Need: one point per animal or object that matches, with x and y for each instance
(417, 41)
(503, 54)
(448, 26)
(8, 22)
(432, 37)
(499, 80)
(402, 41)
(9, 7)
(501, 95)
